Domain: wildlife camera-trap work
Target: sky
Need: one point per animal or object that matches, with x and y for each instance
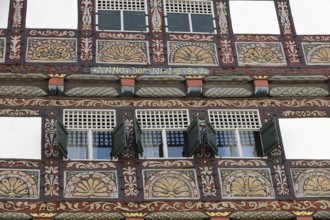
(248, 17)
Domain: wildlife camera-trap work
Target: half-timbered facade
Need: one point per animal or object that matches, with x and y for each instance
(163, 109)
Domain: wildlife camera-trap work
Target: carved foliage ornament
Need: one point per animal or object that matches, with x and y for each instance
(2, 49)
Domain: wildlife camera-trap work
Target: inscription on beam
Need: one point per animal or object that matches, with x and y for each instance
(149, 71)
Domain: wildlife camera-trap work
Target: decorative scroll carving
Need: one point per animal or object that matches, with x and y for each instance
(250, 163)
(291, 47)
(86, 8)
(19, 163)
(313, 163)
(217, 103)
(91, 165)
(281, 180)
(314, 113)
(57, 33)
(124, 36)
(52, 185)
(208, 182)
(187, 37)
(15, 47)
(158, 51)
(313, 38)
(130, 181)
(19, 112)
(257, 38)
(284, 15)
(226, 52)
(51, 149)
(223, 20)
(167, 163)
(17, 16)
(86, 48)
(2, 49)
(156, 15)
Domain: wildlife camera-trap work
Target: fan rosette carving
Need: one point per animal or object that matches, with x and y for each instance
(13, 187)
(317, 185)
(247, 187)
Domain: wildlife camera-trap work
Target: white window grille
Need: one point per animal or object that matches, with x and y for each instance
(236, 132)
(189, 16)
(122, 15)
(163, 131)
(89, 133)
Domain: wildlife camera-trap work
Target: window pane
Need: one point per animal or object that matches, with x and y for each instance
(102, 143)
(226, 142)
(109, 20)
(202, 23)
(152, 144)
(248, 143)
(175, 143)
(20, 137)
(77, 144)
(52, 14)
(254, 17)
(134, 21)
(4, 11)
(178, 22)
(311, 17)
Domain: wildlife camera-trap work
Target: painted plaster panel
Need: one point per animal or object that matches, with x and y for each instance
(260, 54)
(51, 50)
(246, 183)
(19, 184)
(91, 184)
(2, 49)
(316, 53)
(311, 182)
(170, 184)
(192, 53)
(122, 52)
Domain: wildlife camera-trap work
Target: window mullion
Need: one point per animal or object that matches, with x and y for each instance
(90, 145)
(190, 23)
(238, 142)
(164, 140)
(122, 20)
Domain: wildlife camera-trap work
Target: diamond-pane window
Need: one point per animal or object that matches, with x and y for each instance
(189, 16)
(236, 132)
(89, 133)
(122, 15)
(163, 132)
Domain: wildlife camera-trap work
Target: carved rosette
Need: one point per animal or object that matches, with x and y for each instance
(19, 184)
(316, 53)
(170, 184)
(246, 183)
(311, 182)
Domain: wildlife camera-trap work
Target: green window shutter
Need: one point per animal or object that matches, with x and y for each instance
(138, 133)
(202, 23)
(269, 136)
(178, 22)
(194, 137)
(211, 141)
(119, 139)
(134, 21)
(109, 20)
(62, 138)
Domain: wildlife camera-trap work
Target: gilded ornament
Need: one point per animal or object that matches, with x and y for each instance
(46, 215)
(218, 214)
(302, 213)
(134, 214)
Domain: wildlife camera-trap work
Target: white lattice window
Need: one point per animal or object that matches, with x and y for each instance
(189, 16)
(122, 15)
(89, 133)
(236, 132)
(163, 131)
